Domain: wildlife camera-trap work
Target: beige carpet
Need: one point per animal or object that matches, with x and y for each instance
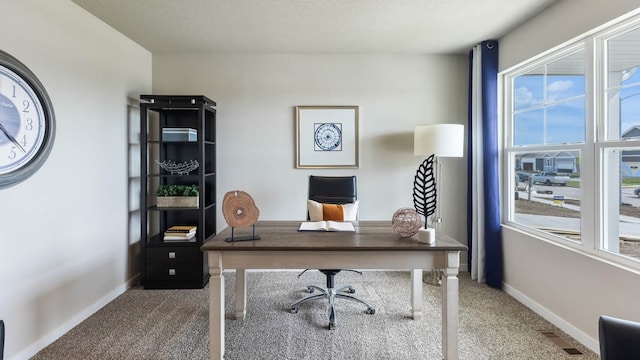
(172, 324)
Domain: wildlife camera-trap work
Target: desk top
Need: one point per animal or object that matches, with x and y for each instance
(284, 236)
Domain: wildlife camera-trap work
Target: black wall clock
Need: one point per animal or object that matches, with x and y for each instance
(27, 122)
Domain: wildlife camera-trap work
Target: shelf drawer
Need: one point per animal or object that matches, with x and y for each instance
(174, 255)
(177, 271)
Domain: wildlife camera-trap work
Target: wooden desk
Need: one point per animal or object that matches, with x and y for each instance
(374, 245)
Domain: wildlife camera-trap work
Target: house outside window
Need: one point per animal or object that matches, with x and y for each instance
(572, 144)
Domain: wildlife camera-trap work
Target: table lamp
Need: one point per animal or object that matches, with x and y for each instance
(434, 141)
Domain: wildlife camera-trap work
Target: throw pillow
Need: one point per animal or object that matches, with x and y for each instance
(316, 213)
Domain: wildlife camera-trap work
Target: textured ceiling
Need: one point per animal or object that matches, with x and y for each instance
(318, 26)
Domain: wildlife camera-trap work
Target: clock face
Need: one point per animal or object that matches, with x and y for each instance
(26, 122)
(328, 136)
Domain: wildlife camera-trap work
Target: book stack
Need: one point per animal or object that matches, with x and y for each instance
(180, 233)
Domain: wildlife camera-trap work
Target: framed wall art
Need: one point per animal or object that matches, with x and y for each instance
(326, 137)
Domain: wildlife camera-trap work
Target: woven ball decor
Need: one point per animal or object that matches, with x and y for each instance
(406, 222)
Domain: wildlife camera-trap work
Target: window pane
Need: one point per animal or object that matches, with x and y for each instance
(549, 103)
(547, 194)
(565, 78)
(623, 58)
(562, 87)
(630, 112)
(621, 202)
(529, 90)
(623, 86)
(529, 127)
(565, 122)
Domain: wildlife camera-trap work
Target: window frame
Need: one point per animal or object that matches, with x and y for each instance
(592, 173)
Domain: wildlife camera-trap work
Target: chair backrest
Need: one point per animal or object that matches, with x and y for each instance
(1, 339)
(333, 189)
(619, 339)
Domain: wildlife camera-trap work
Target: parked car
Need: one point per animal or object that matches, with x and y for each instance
(549, 178)
(523, 176)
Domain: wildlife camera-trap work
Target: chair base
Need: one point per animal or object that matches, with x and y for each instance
(331, 294)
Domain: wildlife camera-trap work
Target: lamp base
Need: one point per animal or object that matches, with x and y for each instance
(427, 236)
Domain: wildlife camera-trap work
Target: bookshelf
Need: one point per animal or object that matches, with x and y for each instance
(177, 131)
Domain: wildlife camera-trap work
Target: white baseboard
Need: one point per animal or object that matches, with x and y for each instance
(565, 326)
(134, 281)
(52, 336)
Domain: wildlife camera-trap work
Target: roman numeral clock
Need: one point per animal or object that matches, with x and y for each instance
(27, 122)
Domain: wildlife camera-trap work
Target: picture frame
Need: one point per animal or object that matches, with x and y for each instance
(327, 137)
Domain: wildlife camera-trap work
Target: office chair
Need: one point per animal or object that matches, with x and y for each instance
(333, 190)
(1, 339)
(619, 339)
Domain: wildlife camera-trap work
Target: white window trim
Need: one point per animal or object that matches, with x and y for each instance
(593, 43)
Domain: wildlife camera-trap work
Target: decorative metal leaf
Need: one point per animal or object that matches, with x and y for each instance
(424, 189)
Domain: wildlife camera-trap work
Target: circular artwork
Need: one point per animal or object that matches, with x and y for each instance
(239, 209)
(406, 222)
(328, 136)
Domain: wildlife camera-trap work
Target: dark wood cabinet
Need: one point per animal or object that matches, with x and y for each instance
(176, 131)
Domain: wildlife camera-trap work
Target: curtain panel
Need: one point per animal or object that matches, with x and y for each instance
(484, 236)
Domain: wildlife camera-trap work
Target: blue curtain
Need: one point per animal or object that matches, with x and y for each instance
(483, 117)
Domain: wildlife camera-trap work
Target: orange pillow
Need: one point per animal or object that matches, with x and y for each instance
(332, 212)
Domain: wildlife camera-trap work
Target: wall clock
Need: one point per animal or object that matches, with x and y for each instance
(27, 122)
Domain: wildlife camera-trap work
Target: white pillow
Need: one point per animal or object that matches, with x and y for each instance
(315, 210)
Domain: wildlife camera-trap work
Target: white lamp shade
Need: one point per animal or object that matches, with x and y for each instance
(443, 140)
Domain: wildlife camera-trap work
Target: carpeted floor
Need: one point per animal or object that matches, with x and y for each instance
(173, 324)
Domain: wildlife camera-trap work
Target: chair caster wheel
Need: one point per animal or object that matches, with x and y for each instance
(332, 326)
(294, 310)
(350, 291)
(310, 290)
(371, 311)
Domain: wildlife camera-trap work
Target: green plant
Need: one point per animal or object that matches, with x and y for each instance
(177, 190)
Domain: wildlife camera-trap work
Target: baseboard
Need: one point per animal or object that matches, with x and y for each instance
(134, 281)
(551, 317)
(52, 336)
(464, 267)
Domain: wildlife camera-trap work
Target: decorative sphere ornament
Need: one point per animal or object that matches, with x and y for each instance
(406, 222)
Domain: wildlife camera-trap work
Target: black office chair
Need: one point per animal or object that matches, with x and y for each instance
(1, 339)
(619, 339)
(333, 190)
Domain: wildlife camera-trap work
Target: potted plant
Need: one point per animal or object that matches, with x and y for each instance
(177, 195)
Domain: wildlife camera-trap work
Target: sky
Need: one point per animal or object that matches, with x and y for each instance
(551, 109)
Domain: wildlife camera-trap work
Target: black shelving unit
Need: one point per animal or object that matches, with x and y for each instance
(176, 265)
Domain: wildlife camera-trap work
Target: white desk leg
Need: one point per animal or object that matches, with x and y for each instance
(216, 306)
(241, 294)
(450, 306)
(416, 294)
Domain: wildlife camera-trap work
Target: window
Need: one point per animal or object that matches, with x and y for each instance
(619, 146)
(572, 144)
(547, 129)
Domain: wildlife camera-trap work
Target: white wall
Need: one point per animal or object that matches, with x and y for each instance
(561, 22)
(568, 288)
(64, 242)
(256, 96)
